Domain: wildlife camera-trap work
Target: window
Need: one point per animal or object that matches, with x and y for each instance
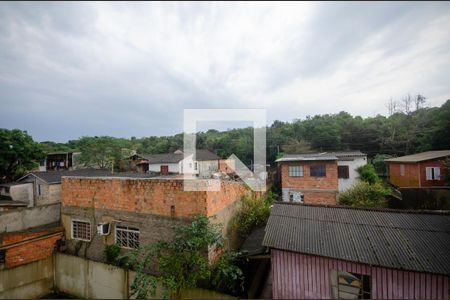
(195, 166)
(345, 285)
(295, 171)
(343, 172)
(39, 189)
(296, 197)
(2, 256)
(164, 169)
(127, 237)
(317, 171)
(402, 170)
(81, 230)
(433, 173)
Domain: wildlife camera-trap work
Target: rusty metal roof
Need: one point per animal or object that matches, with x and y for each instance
(421, 156)
(394, 239)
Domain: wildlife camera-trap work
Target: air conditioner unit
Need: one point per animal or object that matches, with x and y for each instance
(103, 228)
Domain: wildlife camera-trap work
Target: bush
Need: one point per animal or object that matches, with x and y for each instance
(368, 174)
(364, 194)
(226, 273)
(112, 253)
(253, 213)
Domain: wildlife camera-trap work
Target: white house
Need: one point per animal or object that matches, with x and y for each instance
(348, 162)
(203, 165)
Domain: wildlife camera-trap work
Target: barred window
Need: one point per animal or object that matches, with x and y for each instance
(127, 237)
(295, 171)
(81, 230)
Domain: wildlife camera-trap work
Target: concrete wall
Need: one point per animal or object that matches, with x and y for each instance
(22, 192)
(88, 279)
(353, 164)
(152, 228)
(50, 193)
(29, 281)
(207, 167)
(78, 277)
(24, 218)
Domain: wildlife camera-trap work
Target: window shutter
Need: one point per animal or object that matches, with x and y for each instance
(428, 173)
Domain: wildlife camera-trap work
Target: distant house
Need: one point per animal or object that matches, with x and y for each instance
(203, 165)
(322, 252)
(426, 169)
(318, 177)
(60, 161)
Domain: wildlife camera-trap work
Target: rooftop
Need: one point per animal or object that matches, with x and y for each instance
(335, 155)
(415, 241)
(177, 156)
(421, 156)
(56, 176)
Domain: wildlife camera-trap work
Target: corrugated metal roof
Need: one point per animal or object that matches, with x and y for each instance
(335, 155)
(395, 239)
(421, 156)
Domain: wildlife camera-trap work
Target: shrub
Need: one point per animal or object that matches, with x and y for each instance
(368, 174)
(112, 253)
(364, 194)
(253, 213)
(226, 273)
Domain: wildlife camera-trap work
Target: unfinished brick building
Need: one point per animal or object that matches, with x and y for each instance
(135, 211)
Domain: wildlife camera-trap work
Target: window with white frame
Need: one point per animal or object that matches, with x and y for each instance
(295, 171)
(402, 170)
(433, 173)
(81, 230)
(127, 237)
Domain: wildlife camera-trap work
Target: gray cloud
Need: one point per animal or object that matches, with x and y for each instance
(73, 69)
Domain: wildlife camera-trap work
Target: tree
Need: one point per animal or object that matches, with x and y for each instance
(177, 264)
(103, 152)
(18, 154)
(368, 174)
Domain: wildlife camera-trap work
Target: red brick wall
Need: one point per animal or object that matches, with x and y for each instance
(320, 198)
(423, 176)
(152, 196)
(30, 251)
(330, 182)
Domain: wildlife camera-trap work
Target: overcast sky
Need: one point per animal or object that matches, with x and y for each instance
(129, 69)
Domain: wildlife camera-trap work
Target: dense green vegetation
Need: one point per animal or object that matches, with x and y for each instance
(364, 194)
(408, 129)
(18, 153)
(253, 213)
(405, 131)
(181, 263)
(368, 192)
